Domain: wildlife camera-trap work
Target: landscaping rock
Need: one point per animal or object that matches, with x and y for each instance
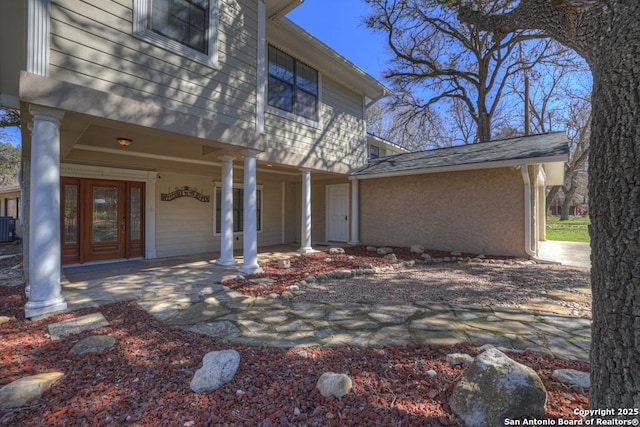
(417, 249)
(371, 249)
(456, 253)
(336, 251)
(4, 319)
(332, 384)
(218, 368)
(432, 374)
(284, 264)
(572, 377)
(384, 251)
(392, 257)
(222, 329)
(286, 295)
(455, 359)
(22, 391)
(495, 388)
(93, 344)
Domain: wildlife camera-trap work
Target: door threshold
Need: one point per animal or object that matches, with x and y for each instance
(101, 262)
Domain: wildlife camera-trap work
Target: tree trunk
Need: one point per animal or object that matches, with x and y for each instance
(614, 187)
(551, 197)
(566, 204)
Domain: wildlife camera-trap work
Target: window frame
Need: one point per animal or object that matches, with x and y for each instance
(294, 115)
(260, 222)
(142, 29)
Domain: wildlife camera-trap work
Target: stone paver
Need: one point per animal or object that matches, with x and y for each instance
(191, 297)
(76, 325)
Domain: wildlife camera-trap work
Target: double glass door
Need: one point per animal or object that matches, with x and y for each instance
(101, 220)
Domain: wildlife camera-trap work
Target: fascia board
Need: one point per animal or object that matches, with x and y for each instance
(465, 167)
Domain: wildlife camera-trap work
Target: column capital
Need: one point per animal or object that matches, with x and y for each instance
(226, 158)
(250, 153)
(39, 111)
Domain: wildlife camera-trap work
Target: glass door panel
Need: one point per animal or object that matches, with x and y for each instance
(105, 220)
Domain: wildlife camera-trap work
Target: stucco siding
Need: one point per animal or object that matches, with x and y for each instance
(92, 45)
(339, 139)
(472, 211)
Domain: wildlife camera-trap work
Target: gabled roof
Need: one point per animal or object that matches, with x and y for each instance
(544, 148)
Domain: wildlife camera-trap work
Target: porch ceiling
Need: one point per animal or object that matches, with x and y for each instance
(93, 141)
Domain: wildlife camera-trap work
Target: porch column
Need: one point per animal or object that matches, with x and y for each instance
(44, 215)
(226, 221)
(249, 218)
(305, 234)
(355, 212)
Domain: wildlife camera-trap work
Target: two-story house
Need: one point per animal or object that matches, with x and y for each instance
(169, 127)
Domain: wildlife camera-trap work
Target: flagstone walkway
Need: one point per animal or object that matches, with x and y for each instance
(189, 295)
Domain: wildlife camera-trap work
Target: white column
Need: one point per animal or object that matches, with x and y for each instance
(305, 234)
(150, 216)
(44, 220)
(355, 212)
(250, 224)
(226, 222)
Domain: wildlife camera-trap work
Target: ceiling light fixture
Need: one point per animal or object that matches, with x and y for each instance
(125, 142)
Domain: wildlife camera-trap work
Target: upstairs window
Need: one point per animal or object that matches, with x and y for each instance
(184, 21)
(293, 85)
(187, 27)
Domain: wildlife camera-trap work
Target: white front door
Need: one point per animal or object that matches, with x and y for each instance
(338, 213)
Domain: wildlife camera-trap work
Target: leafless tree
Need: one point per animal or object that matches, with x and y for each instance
(606, 33)
(439, 61)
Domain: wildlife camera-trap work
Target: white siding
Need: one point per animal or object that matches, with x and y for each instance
(185, 225)
(92, 45)
(341, 137)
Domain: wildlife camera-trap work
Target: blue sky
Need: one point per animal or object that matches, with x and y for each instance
(339, 24)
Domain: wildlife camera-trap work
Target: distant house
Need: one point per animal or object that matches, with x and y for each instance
(379, 147)
(158, 133)
(10, 207)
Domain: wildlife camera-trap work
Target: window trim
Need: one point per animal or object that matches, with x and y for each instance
(369, 151)
(317, 122)
(142, 30)
(217, 185)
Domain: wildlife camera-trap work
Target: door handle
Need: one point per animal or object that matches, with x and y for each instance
(123, 226)
(346, 218)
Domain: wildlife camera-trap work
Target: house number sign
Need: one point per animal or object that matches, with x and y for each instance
(184, 192)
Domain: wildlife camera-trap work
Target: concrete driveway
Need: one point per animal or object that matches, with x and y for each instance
(575, 254)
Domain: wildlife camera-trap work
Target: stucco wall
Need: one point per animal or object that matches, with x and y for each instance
(472, 211)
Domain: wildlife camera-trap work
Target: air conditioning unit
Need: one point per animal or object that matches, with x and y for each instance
(7, 229)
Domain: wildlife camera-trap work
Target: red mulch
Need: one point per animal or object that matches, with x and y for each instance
(314, 264)
(144, 379)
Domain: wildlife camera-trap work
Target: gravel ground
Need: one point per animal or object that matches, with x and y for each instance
(463, 283)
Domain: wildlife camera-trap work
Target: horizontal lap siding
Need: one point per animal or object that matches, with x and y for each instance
(472, 211)
(340, 138)
(184, 226)
(92, 45)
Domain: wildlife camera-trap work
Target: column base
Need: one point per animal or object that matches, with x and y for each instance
(354, 243)
(306, 250)
(38, 308)
(226, 262)
(250, 269)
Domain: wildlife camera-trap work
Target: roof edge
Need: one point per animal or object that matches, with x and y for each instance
(466, 167)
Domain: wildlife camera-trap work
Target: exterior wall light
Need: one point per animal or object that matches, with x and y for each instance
(125, 142)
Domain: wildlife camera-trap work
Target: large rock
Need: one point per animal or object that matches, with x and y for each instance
(20, 392)
(384, 251)
(572, 377)
(218, 368)
(496, 387)
(332, 384)
(336, 251)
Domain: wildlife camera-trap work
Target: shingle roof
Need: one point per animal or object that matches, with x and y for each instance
(543, 148)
